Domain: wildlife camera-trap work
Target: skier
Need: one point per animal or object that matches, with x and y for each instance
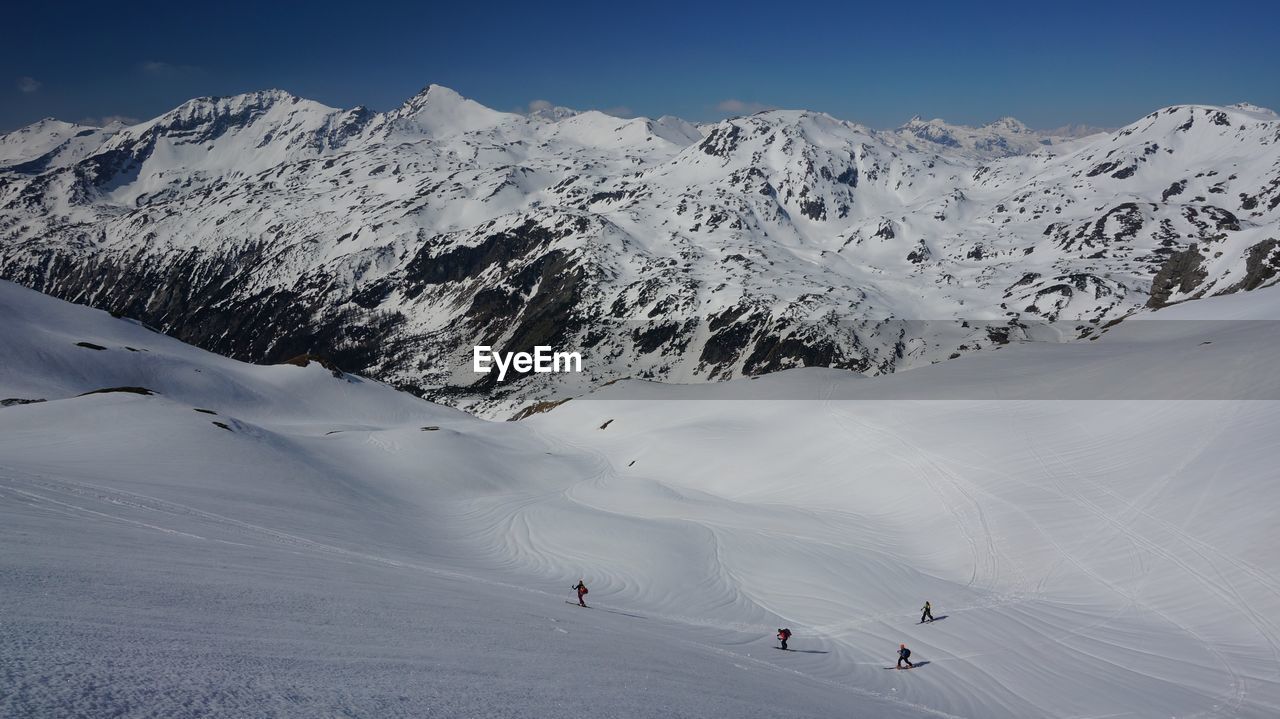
(927, 612)
(582, 592)
(904, 655)
(783, 636)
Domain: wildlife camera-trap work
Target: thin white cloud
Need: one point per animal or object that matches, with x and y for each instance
(734, 106)
(109, 120)
(157, 68)
(28, 85)
(540, 105)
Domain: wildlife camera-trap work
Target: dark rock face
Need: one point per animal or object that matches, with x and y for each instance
(815, 209)
(194, 296)
(1103, 168)
(653, 338)
(1173, 190)
(727, 344)
(998, 335)
(16, 401)
(773, 353)
(127, 390)
(722, 141)
(550, 317)
(1181, 273)
(1027, 279)
(306, 359)
(920, 254)
(802, 348)
(468, 262)
(1127, 216)
(1125, 172)
(1261, 265)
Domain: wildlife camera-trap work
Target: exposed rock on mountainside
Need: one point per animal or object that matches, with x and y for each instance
(1181, 273)
(1261, 265)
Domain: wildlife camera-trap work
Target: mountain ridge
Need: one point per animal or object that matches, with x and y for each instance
(265, 225)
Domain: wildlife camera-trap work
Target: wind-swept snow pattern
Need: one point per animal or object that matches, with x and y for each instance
(209, 538)
(265, 225)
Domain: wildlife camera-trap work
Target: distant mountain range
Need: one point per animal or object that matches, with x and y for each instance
(266, 225)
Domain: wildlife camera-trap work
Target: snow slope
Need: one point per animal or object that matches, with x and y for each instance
(318, 558)
(1092, 558)
(327, 554)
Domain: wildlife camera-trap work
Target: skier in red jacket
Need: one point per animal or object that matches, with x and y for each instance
(783, 636)
(582, 592)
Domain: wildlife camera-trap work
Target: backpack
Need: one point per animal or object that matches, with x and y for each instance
(906, 653)
(785, 634)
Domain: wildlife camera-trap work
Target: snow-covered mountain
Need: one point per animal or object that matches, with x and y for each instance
(265, 225)
(186, 535)
(51, 144)
(1002, 138)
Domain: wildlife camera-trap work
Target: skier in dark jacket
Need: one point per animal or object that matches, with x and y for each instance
(904, 655)
(783, 636)
(582, 592)
(926, 612)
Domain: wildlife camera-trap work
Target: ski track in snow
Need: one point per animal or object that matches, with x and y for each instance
(1005, 583)
(1086, 558)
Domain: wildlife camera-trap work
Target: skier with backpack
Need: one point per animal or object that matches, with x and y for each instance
(904, 655)
(582, 592)
(926, 612)
(783, 636)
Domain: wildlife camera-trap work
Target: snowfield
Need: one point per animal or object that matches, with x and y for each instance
(1091, 521)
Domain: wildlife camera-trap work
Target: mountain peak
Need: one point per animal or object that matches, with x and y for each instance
(1002, 137)
(1008, 123)
(258, 97)
(45, 124)
(543, 110)
(432, 95)
(246, 103)
(920, 120)
(1258, 111)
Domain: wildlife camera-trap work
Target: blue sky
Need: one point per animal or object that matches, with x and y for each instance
(1101, 64)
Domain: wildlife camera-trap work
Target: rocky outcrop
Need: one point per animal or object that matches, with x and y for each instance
(1262, 264)
(1180, 274)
